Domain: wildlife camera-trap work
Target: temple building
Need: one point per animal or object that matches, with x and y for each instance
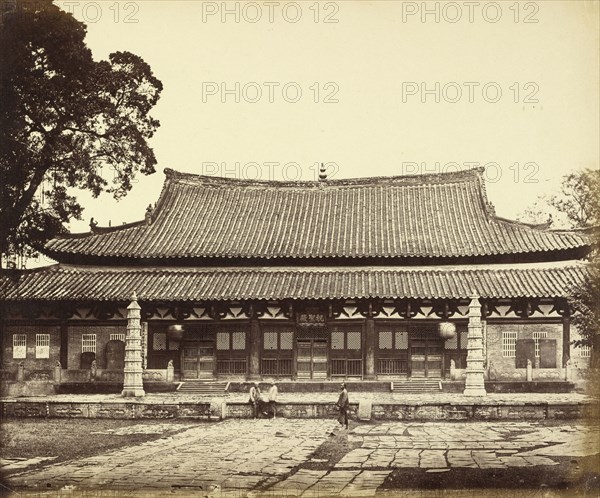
(366, 278)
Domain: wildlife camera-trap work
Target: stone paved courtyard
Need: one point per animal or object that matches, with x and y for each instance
(275, 458)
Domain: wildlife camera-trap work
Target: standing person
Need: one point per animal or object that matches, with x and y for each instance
(343, 403)
(273, 392)
(254, 399)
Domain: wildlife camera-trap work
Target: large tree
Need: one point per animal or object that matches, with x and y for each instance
(579, 198)
(578, 206)
(580, 201)
(67, 122)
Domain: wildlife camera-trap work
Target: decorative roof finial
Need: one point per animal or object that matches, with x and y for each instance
(93, 224)
(148, 215)
(322, 173)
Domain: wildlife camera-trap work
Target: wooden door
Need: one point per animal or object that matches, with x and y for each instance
(312, 358)
(426, 353)
(198, 360)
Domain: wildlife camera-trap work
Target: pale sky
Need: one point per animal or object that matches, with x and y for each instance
(372, 65)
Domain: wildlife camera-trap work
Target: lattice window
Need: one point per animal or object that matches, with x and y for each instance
(452, 342)
(88, 343)
(537, 336)
(19, 346)
(42, 345)
(464, 337)
(337, 340)
(222, 341)
(117, 337)
(509, 342)
(286, 339)
(159, 341)
(270, 340)
(239, 340)
(354, 341)
(173, 345)
(277, 338)
(401, 339)
(385, 339)
(585, 351)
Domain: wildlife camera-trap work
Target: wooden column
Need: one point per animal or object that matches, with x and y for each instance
(254, 341)
(64, 345)
(566, 337)
(474, 383)
(370, 345)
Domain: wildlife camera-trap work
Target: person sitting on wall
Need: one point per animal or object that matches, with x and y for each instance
(254, 399)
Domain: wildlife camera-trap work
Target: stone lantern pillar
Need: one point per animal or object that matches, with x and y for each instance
(133, 385)
(474, 384)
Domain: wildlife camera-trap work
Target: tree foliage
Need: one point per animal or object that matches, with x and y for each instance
(579, 198)
(578, 206)
(68, 122)
(580, 201)
(586, 301)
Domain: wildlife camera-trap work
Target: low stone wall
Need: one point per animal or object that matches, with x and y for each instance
(24, 388)
(111, 387)
(221, 408)
(480, 412)
(291, 410)
(513, 386)
(102, 375)
(110, 410)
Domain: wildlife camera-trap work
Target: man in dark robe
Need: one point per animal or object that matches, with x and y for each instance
(343, 403)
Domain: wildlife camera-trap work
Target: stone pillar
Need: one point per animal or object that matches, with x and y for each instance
(133, 385)
(57, 372)
(370, 349)
(21, 372)
(254, 367)
(474, 384)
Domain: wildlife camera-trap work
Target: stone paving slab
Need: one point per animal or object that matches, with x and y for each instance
(10, 464)
(251, 458)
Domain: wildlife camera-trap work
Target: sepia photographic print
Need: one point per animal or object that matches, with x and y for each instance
(299, 248)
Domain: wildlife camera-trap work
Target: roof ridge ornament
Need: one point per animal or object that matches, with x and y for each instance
(322, 173)
(148, 215)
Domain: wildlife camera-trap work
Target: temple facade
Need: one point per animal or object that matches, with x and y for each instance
(366, 279)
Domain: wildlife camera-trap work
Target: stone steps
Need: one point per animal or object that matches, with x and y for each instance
(202, 387)
(417, 386)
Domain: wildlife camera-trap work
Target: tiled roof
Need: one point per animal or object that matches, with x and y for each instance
(442, 215)
(197, 284)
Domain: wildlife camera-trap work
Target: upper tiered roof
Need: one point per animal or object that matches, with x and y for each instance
(93, 283)
(426, 216)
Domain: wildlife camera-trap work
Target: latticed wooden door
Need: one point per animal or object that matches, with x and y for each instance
(426, 351)
(312, 358)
